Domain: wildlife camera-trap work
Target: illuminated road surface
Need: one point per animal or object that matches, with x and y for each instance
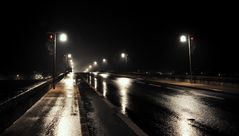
(162, 110)
(56, 114)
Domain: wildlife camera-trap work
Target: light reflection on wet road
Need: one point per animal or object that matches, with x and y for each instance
(162, 110)
(56, 114)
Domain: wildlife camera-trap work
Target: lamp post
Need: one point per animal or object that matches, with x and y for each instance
(67, 58)
(62, 38)
(104, 62)
(183, 39)
(124, 56)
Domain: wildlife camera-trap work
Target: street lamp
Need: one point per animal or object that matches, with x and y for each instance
(62, 38)
(95, 63)
(183, 39)
(124, 56)
(69, 56)
(104, 60)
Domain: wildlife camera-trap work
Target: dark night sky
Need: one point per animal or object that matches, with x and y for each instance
(148, 32)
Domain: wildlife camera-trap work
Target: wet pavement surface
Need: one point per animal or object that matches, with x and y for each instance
(55, 114)
(159, 109)
(102, 120)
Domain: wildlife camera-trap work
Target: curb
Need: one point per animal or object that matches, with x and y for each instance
(83, 119)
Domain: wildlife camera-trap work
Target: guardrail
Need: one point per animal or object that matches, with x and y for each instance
(13, 108)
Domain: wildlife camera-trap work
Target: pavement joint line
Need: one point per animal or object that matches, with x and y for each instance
(132, 125)
(138, 131)
(109, 104)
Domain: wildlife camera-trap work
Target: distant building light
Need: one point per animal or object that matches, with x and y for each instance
(38, 77)
(18, 77)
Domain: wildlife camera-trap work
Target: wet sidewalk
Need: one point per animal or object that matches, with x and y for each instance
(55, 114)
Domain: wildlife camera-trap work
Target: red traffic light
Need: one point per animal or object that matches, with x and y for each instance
(51, 36)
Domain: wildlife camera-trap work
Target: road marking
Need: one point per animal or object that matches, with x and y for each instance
(132, 125)
(198, 94)
(210, 96)
(155, 85)
(108, 103)
(214, 89)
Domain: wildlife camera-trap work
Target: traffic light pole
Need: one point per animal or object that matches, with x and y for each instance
(54, 61)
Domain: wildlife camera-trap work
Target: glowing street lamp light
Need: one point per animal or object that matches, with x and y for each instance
(69, 56)
(104, 60)
(95, 63)
(63, 37)
(90, 66)
(183, 39)
(123, 55)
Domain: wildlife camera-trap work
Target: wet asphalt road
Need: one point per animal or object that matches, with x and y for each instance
(55, 114)
(163, 110)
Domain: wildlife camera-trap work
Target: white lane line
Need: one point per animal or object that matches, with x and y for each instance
(218, 90)
(155, 85)
(109, 103)
(198, 94)
(170, 88)
(131, 124)
(210, 96)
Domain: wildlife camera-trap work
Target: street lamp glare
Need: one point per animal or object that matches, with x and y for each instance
(183, 38)
(95, 63)
(104, 60)
(69, 56)
(90, 66)
(63, 37)
(122, 55)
